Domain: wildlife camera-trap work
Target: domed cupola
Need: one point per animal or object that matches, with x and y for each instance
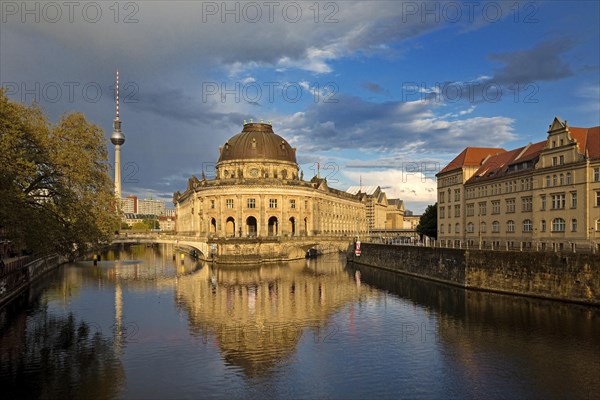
(257, 141)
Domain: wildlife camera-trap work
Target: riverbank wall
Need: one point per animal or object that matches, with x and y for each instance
(572, 277)
(17, 277)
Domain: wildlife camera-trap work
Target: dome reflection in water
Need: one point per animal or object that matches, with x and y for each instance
(143, 324)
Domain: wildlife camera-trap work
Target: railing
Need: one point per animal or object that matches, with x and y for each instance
(514, 246)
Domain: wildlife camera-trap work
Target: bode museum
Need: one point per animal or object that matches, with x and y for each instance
(258, 200)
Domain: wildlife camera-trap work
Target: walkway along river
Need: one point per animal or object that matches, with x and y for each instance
(142, 324)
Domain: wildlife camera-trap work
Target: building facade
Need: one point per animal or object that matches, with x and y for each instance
(545, 195)
(258, 192)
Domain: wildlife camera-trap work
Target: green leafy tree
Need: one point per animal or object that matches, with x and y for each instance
(55, 192)
(428, 222)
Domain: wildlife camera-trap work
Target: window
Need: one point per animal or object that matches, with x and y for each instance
(569, 178)
(292, 203)
(574, 225)
(598, 224)
(554, 180)
(442, 212)
(573, 199)
(470, 210)
(251, 203)
(510, 205)
(457, 195)
(442, 197)
(470, 227)
(547, 180)
(482, 208)
(526, 203)
(597, 199)
(457, 228)
(482, 227)
(561, 160)
(562, 179)
(553, 143)
(510, 226)
(543, 198)
(527, 225)
(229, 203)
(305, 204)
(596, 174)
(543, 225)
(558, 201)
(449, 212)
(561, 142)
(457, 210)
(442, 228)
(554, 161)
(558, 225)
(272, 203)
(495, 226)
(212, 204)
(496, 207)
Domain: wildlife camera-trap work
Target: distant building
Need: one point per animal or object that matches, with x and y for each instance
(149, 206)
(170, 212)
(376, 205)
(395, 214)
(129, 205)
(167, 223)
(543, 195)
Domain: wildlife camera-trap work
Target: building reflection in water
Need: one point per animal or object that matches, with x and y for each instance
(533, 336)
(257, 316)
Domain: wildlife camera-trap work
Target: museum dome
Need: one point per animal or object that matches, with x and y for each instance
(257, 141)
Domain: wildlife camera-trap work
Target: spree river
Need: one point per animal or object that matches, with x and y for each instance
(143, 324)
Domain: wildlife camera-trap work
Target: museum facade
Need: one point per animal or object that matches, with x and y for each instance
(258, 192)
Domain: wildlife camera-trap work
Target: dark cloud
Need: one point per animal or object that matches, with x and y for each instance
(373, 87)
(544, 62)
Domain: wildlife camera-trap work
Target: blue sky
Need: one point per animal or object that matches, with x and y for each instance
(387, 92)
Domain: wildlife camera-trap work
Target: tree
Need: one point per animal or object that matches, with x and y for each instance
(428, 222)
(55, 192)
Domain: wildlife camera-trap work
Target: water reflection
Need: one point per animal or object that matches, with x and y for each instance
(54, 356)
(142, 324)
(542, 344)
(258, 315)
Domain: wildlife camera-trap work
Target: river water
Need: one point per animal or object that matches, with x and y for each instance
(145, 324)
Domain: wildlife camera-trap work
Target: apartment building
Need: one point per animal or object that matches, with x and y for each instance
(545, 195)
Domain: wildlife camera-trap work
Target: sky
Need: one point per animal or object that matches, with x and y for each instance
(377, 92)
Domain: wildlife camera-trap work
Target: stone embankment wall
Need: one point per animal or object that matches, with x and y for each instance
(571, 277)
(15, 280)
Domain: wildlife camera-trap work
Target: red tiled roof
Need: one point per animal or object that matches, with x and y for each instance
(533, 151)
(587, 139)
(470, 157)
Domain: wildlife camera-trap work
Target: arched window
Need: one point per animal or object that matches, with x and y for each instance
(510, 226)
(527, 225)
(574, 225)
(558, 225)
(482, 227)
(547, 180)
(470, 227)
(495, 226)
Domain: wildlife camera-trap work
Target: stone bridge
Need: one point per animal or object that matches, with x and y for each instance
(177, 240)
(242, 250)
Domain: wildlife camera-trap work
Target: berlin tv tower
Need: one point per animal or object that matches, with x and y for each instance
(117, 138)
